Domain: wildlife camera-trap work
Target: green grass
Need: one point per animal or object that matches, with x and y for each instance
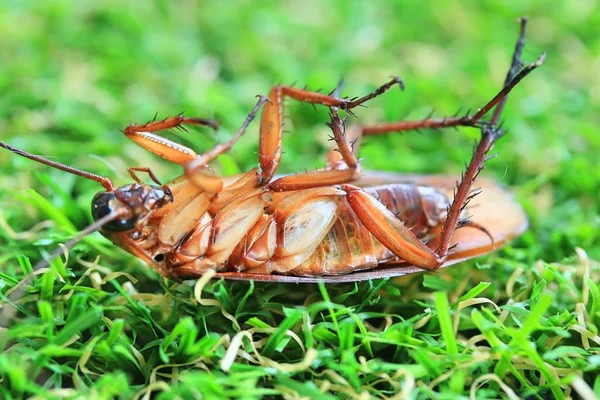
(522, 322)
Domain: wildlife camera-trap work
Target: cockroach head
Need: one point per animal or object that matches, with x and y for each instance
(129, 204)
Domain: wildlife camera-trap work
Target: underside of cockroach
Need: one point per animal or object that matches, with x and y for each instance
(309, 233)
(308, 225)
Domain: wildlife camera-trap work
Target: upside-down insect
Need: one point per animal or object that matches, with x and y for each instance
(310, 225)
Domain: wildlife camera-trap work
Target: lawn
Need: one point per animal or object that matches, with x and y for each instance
(522, 322)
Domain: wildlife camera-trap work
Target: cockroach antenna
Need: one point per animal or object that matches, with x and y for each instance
(96, 225)
(106, 182)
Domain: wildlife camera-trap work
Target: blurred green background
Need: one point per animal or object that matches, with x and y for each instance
(72, 74)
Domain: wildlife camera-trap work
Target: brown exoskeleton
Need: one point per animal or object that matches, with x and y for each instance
(314, 224)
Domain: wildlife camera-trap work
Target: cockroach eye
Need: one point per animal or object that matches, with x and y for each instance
(102, 206)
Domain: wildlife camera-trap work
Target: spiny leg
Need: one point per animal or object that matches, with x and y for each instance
(196, 166)
(169, 150)
(335, 156)
(170, 122)
(380, 90)
(350, 172)
(490, 133)
(515, 66)
(271, 128)
(143, 135)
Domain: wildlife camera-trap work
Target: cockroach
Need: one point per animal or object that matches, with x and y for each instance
(335, 224)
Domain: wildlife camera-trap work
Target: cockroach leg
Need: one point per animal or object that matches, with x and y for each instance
(144, 136)
(475, 225)
(350, 171)
(389, 230)
(490, 133)
(196, 166)
(171, 122)
(515, 67)
(132, 172)
(380, 90)
(175, 153)
(463, 192)
(196, 169)
(271, 128)
(338, 128)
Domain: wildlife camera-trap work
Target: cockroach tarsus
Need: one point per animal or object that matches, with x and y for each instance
(331, 224)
